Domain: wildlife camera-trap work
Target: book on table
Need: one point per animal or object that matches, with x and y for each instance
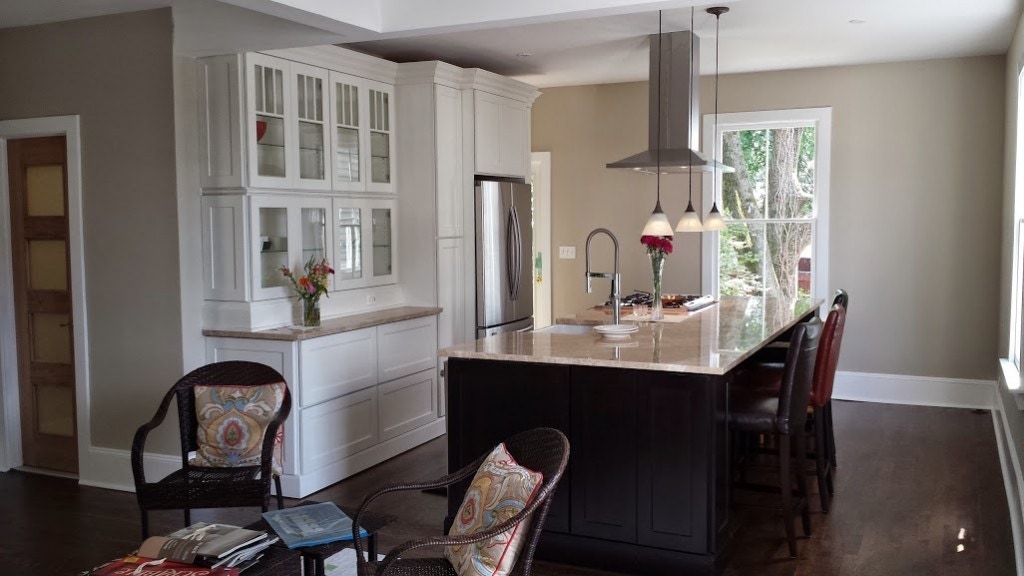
(138, 566)
(210, 545)
(311, 525)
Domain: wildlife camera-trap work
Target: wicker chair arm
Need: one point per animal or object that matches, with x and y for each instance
(270, 437)
(447, 480)
(139, 443)
(444, 541)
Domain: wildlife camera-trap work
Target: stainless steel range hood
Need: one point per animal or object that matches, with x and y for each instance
(680, 133)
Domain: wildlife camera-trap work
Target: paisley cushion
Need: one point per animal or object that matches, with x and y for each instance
(500, 489)
(232, 421)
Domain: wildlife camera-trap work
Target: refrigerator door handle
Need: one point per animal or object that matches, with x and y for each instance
(509, 251)
(518, 253)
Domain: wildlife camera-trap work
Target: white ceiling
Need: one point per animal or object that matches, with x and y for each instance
(573, 41)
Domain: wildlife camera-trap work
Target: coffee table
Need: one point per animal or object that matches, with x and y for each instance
(313, 556)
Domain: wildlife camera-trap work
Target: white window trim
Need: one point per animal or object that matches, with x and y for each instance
(821, 119)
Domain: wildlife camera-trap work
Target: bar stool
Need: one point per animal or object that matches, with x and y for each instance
(783, 414)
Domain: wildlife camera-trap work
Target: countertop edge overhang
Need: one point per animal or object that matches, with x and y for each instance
(330, 326)
(510, 347)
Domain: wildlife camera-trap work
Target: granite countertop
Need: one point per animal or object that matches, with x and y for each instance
(709, 341)
(331, 325)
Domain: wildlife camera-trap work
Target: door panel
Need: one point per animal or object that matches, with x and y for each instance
(522, 202)
(493, 205)
(42, 297)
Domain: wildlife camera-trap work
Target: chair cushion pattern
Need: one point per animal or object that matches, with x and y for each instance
(232, 421)
(500, 489)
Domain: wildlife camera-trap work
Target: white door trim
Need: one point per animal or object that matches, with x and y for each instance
(10, 416)
(540, 172)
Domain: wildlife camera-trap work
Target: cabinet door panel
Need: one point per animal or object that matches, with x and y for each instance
(339, 428)
(380, 137)
(494, 400)
(348, 99)
(220, 122)
(338, 364)
(270, 136)
(224, 242)
(672, 507)
(310, 123)
(514, 148)
(382, 242)
(406, 348)
(487, 131)
(448, 146)
(407, 403)
(603, 440)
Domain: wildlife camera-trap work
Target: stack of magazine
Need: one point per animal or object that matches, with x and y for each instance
(206, 549)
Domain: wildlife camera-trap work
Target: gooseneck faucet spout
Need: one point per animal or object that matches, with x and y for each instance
(614, 276)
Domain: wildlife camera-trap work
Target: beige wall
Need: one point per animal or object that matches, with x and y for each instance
(916, 195)
(115, 72)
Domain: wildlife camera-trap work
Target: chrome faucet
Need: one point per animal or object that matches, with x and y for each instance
(614, 276)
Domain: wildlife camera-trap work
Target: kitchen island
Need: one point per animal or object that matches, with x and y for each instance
(647, 419)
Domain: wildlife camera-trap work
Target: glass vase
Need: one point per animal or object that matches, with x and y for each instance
(657, 268)
(310, 312)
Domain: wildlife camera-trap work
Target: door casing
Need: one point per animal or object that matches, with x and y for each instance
(10, 417)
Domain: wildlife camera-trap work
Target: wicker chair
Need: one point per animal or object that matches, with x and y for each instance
(544, 450)
(207, 487)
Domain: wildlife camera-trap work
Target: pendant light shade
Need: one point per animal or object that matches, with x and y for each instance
(657, 224)
(690, 222)
(713, 221)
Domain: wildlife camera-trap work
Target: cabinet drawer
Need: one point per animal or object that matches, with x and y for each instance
(338, 364)
(406, 348)
(407, 403)
(338, 428)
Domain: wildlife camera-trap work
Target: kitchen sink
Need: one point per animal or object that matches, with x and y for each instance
(566, 329)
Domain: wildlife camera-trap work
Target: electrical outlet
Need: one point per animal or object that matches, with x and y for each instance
(371, 299)
(567, 252)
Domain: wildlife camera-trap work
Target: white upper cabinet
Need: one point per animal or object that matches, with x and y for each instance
(364, 248)
(286, 231)
(502, 128)
(269, 122)
(363, 141)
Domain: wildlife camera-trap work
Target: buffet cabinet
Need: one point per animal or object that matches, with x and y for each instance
(358, 397)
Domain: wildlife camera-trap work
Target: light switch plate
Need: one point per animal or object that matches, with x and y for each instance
(567, 252)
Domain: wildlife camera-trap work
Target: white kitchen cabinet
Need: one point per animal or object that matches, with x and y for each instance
(365, 237)
(285, 231)
(448, 147)
(363, 142)
(501, 133)
(358, 397)
(310, 124)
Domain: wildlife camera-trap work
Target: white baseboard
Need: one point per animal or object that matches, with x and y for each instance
(917, 390)
(112, 469)
(1013, 479)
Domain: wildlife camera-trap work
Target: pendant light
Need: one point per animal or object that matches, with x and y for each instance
(690, 222)
(714, 219)
(658, 224)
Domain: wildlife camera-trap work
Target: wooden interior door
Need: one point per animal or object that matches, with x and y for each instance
(37, 169)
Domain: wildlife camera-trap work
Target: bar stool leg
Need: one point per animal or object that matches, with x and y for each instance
(820, 464)
(801, 482)
(785, 478)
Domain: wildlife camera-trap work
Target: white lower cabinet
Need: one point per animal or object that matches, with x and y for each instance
(358, 397)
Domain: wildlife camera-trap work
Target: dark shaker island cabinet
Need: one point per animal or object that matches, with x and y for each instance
(645, 489)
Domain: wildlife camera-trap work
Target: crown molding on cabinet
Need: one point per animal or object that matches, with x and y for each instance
(438, 72)
(341, 60)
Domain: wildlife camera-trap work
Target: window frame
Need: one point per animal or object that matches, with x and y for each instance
(821, 119)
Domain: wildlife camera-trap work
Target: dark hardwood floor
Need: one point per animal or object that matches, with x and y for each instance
(910, 478)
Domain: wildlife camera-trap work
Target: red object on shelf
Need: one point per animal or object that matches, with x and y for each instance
(261, 129)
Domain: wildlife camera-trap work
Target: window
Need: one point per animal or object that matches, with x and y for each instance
(775, 205)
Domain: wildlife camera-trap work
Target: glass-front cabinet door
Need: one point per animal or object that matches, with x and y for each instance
(383, 245)
(346, 132)
(381, 110)
(269, 102)
(287, 233)
(311, 120)
(364, 242)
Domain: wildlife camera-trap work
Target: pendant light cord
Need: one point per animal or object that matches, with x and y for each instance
(714, 147)
(689, 114)
(657, 152)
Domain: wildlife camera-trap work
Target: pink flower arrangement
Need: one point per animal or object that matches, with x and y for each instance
(657, 245)
(314, 283)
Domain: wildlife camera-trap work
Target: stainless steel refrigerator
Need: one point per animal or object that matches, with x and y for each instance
(504, 258)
